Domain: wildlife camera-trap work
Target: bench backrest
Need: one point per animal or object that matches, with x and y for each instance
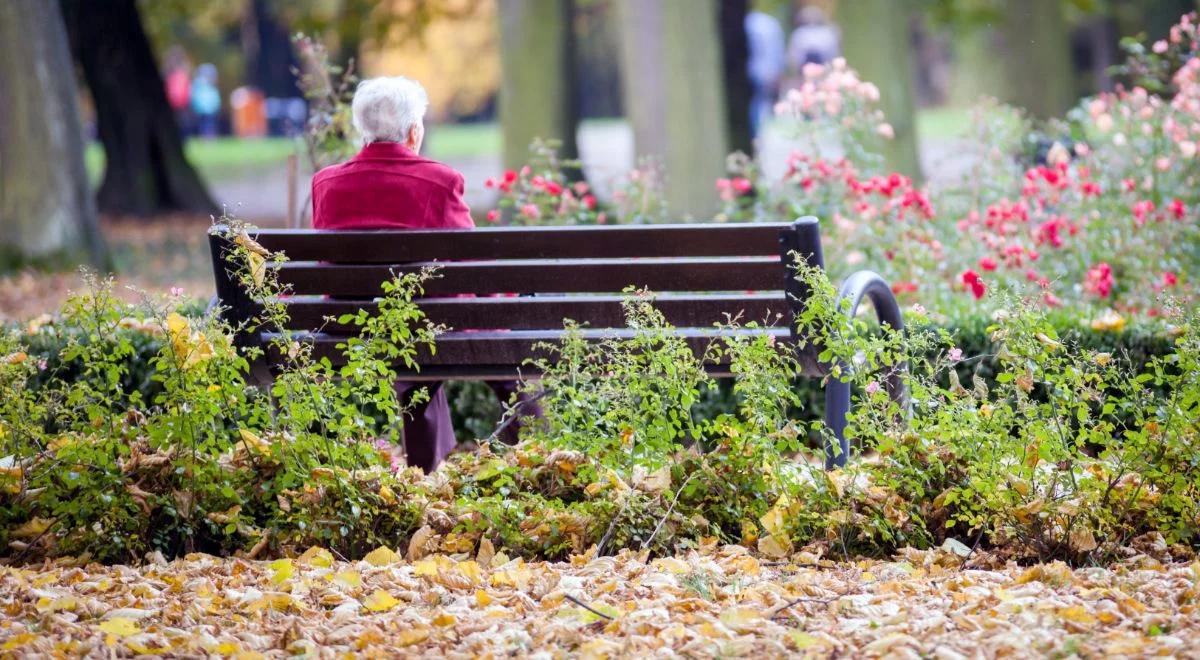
(701, 274)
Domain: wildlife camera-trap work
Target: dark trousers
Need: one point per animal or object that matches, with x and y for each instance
(428, 433)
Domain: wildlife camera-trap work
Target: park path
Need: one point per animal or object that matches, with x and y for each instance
(606, 150)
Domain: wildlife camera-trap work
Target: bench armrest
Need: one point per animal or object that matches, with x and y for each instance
(863, 284)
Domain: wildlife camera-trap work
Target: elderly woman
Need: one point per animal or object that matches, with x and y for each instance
(388, 186)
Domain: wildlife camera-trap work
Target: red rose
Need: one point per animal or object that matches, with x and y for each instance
(974, 283)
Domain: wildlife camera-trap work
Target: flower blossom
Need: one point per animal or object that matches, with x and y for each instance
(1099, 280)
(974, 283)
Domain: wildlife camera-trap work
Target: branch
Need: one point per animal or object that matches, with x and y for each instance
(795, 601)
(513, 416)
(671, 508)
(588, 607)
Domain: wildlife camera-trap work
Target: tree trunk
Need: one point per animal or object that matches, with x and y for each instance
(877, 42)
(145, 171)
(735, 56)
(46, 208)
(537, 57)
(267, 46)
(675, 95)
(1037, 57)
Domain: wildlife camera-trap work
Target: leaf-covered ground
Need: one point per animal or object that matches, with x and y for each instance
(716, 601)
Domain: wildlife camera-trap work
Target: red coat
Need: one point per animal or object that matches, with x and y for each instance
(388, 186)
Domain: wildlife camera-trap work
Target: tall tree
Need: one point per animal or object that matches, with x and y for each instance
(674, 86)
(1018, 51)
(46, 208)
(877, 42)
(537, 72)
(270, 61)
(1037, 57)
(146, 171)
(735, 57)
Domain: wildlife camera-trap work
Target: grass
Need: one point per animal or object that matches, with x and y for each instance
(943, 123)
(225, 158)
(217, 159)
(454, 141)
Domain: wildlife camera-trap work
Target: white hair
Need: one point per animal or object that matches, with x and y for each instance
(386, 109)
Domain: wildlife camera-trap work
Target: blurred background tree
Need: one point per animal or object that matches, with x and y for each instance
(537, 57)
(877, 41)
(145, 170)
(46, 208)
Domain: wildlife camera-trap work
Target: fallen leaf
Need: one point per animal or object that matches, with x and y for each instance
(380, 601)
(382, 556)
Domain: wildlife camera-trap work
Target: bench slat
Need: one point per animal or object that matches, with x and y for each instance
(499, 350)
(533, 313)
(584, 276)
(758, 239)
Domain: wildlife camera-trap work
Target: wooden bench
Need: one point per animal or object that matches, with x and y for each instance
(699, 273)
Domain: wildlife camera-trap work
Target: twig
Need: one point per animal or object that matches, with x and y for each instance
(974, 547)
(671, 508)
(588, 607)
(612, 526)
(796, 601)
(258, 547)
(512, 417)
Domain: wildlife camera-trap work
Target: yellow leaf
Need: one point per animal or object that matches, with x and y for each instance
(176, 323)
(142, 649)
(1109, 321)
(428, 567)
(772, 546)
(258, 267)
(471, 570)
(32, 528)
(380, 601)
(387, 495)
(1077, 614)
(283, 570)
(671, 565)
(837, 482)
(482, 598)
(1082, 540)
(274, 601)
(412, 636)
(443, 620)
(243, 239)
(773, 520)
(348, 579)
(741, 618)
(802, 640)
(119, 626)
(315, 556)
(18, 641)
(381, 556)
(68, 603)
(253, 442)
(518, 577)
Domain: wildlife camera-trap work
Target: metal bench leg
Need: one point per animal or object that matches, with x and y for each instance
(862, 284)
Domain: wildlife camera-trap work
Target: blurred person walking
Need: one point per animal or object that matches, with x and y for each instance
(814, 41)
(765, 65)
(206, 100)
(178, 85)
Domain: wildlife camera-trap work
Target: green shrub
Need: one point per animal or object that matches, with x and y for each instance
(1062, 451)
